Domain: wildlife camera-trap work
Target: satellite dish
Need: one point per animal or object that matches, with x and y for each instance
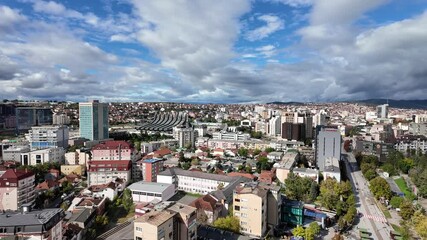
(162, 109)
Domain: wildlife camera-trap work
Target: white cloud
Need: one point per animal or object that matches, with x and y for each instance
(273, 24)
(8, 18)
(295, 3)
(267, 50)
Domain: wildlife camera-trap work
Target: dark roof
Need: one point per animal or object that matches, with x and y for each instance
(37, 217)
(210, 233)
(81, 215)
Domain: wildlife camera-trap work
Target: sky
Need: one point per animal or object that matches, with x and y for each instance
(204, 51)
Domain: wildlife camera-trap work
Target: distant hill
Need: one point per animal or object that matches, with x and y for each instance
(286, 103)
(414, 104)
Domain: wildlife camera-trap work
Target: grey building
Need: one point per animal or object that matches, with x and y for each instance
(40, 224)
(328, 145)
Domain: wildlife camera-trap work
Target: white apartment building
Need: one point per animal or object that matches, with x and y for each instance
(43, 156)
(421, 118)
(13, 153)
(76, 158)
(42, 137)
(237, 136)
(411, 142)
(60, 119)
(193, 182)
(16, 189)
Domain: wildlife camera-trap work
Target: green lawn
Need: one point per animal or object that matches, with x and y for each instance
(385, 211)
(404, 188)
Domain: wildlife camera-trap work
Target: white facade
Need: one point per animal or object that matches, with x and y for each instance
(230, 136)
(13, 153)
(421, 118)
(149, 191)
(98, 178)
(42, 137)
(43, 156)
(60, 119)
(275, 126)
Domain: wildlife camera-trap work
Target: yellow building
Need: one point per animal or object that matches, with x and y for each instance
(157, 225)
(250, 206)
(69, 169)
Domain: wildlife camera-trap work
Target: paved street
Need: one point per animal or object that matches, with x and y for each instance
(372, 217)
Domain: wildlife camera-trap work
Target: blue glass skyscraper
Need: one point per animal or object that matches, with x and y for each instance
(93, 120)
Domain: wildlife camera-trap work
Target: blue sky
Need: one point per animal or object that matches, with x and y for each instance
(213, 51)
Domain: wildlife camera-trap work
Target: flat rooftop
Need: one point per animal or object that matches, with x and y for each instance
(38, 217)
(153, 187)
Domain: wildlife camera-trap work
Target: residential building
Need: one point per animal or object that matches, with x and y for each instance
(184, 135)
(237, 136)
(43, 156)
(113, 150)
(108, 190)
(418, 128)
(275, 156)
(93, 117)
(185, 221)
(307, 172)
(328, 145)
(43, 224)
(411, 143)
(421, 118)
(284, 167)
(150, 168)
(42, 137)
(26, 117)
(60, 119)
(209, 208)
(156, 225)
(16, 189)
(77, 158)
(261, 126)
(274, 203)
(250, 206)
(148, 147)
(72, 169)
(105, 171)
(148, 191)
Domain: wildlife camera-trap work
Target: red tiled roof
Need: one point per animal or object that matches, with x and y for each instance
(17, 174)
(206, 202)
(47, 184)
(112, 145)
(238, 174)
(162, 152)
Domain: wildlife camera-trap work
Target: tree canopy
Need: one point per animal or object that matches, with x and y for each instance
(229, 223)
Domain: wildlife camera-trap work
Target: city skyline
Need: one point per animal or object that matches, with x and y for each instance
(216, 52)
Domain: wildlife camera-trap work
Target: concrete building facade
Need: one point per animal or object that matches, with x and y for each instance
(16, 189)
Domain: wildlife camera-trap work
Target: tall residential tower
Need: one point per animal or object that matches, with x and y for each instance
(93, 120)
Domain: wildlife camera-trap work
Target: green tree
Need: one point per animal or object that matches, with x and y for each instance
(127, 200)
(406, 164)
(312, 230)
(395, 201)
(301, 189)
(269, 149)
(406, 210)
(186, 165)
(195, 162)
(370, 174)
(243, 152)
(256, 152)
(298, 231)
(389, 168)
(380, 188)
(229, 223)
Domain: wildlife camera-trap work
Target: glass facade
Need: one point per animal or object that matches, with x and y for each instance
(26, 117)
(93, 120)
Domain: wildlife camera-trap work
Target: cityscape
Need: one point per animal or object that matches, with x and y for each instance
(213, 120)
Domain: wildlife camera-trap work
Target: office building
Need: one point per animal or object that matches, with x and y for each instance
(382, 111)
(16, 189)
(328, 145)
(27, 117)
(48, 155)
(43, 224)
(42, 137)
(7, 116)
(250, 206)
(93, 117)
(293, 131)
(184, 135)
(13, 152)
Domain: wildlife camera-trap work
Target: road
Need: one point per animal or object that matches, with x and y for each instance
(372, 218)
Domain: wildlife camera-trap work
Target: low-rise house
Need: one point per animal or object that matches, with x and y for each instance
(108, 190)
(209, 209)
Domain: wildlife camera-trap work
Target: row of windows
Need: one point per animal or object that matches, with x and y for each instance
(147, 194)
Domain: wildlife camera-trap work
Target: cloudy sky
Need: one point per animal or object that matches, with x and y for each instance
(226, 51)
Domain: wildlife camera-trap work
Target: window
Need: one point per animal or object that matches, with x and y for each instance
(237, 208)
(138, 238)
(237, 200)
